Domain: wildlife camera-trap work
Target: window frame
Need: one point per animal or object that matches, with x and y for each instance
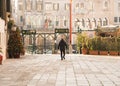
(55, 6)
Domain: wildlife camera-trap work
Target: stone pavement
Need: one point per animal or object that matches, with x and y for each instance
(49, 70)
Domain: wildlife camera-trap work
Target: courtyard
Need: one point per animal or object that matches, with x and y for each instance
(49, 70)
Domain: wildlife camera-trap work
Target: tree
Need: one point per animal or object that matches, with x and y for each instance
(15, 46)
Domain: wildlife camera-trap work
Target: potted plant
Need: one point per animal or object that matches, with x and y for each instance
(84, 49)
(118, 41)
(82, 40)
(15, 46)
(93, 45)
(113, 47)
(103, 50)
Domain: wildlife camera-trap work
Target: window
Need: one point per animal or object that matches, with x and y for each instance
(28, 21)
(119, 6)
(90, 6)
(89, 24)
(65, 21)
(77, 6)
(56, 6)
(83, 22)
(99, 22)
(20, 7)
(67, 6)
(105, 21)
(48, 7)
(39, 5)
(93, 23)
(119, 19)
(28, 5)
(83, 10)
(82, 5)
(38, 21)
(21, 18)
(34, 20)
(57, 21)
(105, 5)
(115, 19)
(50, 22)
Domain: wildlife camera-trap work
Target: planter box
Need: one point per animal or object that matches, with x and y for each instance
(103, 52)
(84, 51)
(93, 52)
(17, 55)
(115, 53)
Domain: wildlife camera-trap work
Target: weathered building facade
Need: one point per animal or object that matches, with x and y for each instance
(46, 15)
(85, 13)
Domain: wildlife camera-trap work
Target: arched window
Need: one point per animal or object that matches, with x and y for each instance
(105, 21)
(83, 22)
(99, 22)
(80, 24)
(88, 24)
(76, 23)
(94, 23)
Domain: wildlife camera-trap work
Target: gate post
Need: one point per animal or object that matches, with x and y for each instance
(34, 40)
(55, 47)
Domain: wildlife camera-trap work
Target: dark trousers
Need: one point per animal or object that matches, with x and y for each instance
(62, 52)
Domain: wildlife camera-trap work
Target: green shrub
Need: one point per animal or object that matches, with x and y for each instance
(82, 40)
(99, 43)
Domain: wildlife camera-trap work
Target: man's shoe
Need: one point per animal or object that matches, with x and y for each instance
(64, 57)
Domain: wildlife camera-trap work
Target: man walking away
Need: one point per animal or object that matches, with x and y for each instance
(62, 46)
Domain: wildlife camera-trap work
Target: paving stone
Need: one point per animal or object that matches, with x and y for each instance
(49, 70)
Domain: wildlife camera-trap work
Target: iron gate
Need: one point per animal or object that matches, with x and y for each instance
(36, 42)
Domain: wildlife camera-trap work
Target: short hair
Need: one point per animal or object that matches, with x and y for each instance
(9, 16)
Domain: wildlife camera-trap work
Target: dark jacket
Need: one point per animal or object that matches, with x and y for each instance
(62, 45)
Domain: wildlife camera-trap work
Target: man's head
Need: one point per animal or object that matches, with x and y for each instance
(62, 36)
